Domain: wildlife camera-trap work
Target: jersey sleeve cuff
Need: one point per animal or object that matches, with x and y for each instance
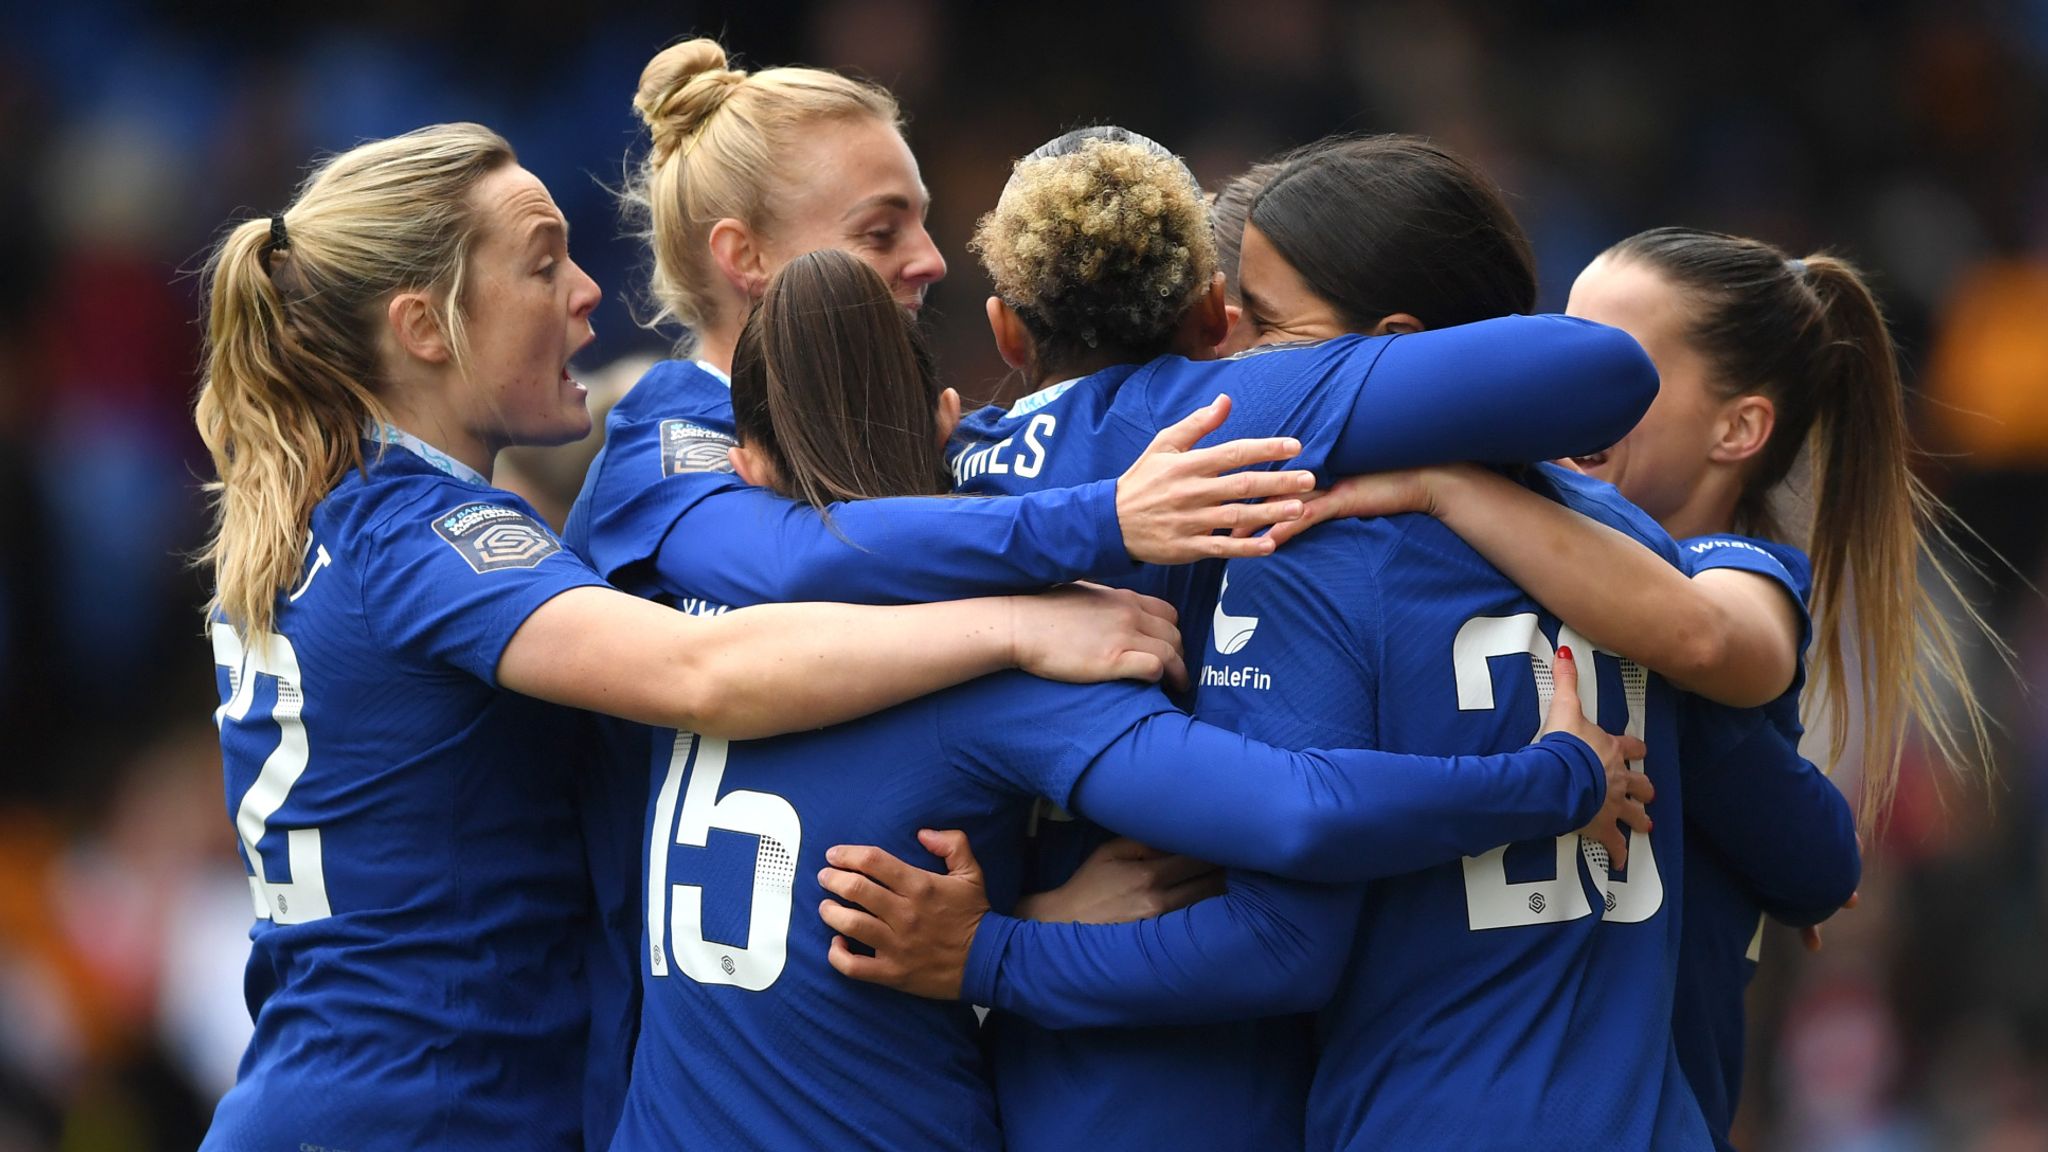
(985, 956)
(1585, 766)
(1111, 558)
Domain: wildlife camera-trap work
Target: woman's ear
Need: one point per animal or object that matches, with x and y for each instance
(1744, 428)
(1206, 324)
(751, 466)
(416, 328)
(737, 252)
(1013, 340)
(1396, 323)
(947, 415)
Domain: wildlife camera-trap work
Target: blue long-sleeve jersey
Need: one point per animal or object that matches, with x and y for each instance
(1453, 980)
(1519, 388)
(664, 461)
(1767, 833)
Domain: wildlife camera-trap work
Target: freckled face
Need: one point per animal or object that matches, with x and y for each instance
(528, 311)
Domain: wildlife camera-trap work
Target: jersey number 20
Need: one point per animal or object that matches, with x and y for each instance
(1491, 900)
(677, 933)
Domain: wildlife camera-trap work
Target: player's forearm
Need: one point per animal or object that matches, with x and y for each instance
(1264, 948)
(751, 546)
(786, 667)
(1779, 824)
(1512, 389)
(1333, 816)
(1621, 596)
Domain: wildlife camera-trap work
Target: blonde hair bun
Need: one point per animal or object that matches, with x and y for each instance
(681, 88)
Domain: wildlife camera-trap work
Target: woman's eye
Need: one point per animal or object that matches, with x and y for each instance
(547, 270)
(881, 236)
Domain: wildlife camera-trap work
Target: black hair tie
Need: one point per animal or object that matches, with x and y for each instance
(280, 241)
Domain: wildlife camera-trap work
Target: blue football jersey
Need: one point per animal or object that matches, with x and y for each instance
(749, 1038)
(1513, 999)
(1519, 388)
(661, 516)
(416, 964)
(1767, 832)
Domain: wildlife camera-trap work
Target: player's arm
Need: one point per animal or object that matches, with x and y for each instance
(1511, 389)
(1265, 947)
(738, 544)
(1348, 815)
(785, 667)
(1775, 819)
(1730, 635)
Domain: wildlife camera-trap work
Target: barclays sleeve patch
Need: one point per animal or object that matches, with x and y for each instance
(492, 537)
(687, 447)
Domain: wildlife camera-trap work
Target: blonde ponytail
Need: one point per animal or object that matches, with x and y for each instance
(293, 311)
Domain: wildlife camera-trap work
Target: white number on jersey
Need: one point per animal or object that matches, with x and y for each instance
(679, 934)
(304, 897)
(1491, 901)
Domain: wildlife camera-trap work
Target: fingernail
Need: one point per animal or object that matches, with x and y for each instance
(1292, 445)
(1564, 651)
(822, 873)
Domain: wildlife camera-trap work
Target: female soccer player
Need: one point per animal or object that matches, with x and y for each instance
(388, 627)
(1763, 358)
(747, 1037)
(1384, 234)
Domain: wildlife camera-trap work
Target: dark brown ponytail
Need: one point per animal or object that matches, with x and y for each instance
(833, 382)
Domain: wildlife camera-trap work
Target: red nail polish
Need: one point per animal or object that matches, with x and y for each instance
(1564, 652)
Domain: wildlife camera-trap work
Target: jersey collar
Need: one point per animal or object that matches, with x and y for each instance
(389, 434)
(717, 373)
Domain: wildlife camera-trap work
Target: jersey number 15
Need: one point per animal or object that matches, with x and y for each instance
(675, 932)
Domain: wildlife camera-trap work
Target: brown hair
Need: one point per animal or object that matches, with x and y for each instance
(1100, 242)
(1228, 211)
(719, 141)
(831, 379)
(293, 314)
(1809, 335)
(1376, 225)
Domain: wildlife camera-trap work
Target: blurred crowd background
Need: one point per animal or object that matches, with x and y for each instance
(1909, 136)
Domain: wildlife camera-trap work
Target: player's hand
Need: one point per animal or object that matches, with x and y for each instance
(920, 924)
(1176, 496)
(1122, 881)
(1085, 634)
(1628, 792)
(1357, 497)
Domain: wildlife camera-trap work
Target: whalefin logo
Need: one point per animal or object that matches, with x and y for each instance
(1230, 633)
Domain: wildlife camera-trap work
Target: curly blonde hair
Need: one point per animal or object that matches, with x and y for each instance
(1101, 241)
